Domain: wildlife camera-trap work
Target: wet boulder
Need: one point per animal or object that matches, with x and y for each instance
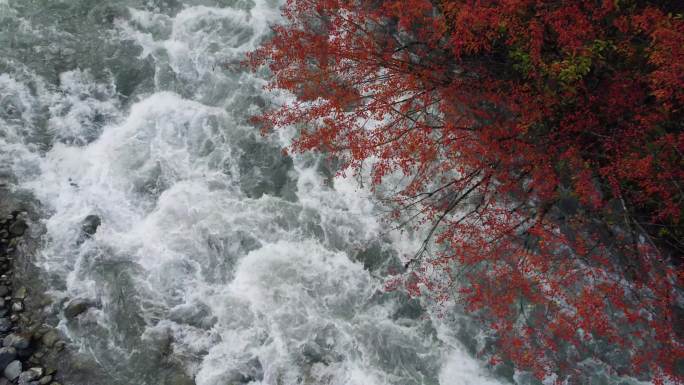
(18, 228)
(77, 307)
(90, 224)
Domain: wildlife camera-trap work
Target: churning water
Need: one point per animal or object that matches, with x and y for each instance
(218, 260)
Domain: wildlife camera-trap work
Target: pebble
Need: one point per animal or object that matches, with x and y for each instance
(50, 338)
(13, 318)
(20, 293)
(30, 375)
(5, 324)
(13, 370)
(7, 355)
(45, 380)
(17, 341)
(17, 307)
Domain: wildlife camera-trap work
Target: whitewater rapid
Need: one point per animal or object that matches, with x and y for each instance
(218, 259)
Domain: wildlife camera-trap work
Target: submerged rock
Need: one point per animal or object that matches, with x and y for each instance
(76, 307)
(90, 224)
(18, 228)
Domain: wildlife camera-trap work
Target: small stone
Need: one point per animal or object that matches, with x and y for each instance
(18, 228)
(4, 381)
(60, 345)
(50, 338)
(7, 355)
(76, 307)
(13, 318)
(13, 370)
(45, 380)
(2, 303)
(17, 341)
(17, 307)
(20, 293)
(36, 372)
(5, 324)
(4, 290)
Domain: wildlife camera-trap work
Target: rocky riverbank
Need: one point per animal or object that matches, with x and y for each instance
(30, 345)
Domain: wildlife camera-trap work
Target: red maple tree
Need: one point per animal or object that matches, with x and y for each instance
(541, 146)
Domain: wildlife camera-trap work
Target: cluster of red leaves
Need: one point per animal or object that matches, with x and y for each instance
(541, 146)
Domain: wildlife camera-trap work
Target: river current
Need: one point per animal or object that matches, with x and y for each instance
(218, 261)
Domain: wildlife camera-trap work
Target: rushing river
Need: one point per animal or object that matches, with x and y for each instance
(218, 260)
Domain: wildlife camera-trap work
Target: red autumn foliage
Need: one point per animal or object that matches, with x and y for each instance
(541, 145)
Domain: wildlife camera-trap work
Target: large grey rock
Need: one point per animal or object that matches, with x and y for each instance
(90, 224)
(13, 370)
(7, 355)
(17, 341)
(18, 228)
(76, 307)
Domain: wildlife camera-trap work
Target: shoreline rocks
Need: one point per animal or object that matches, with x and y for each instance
(30, 348)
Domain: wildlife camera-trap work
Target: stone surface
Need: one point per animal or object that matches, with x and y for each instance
(13, 370)
(90, 224)
(7, 355)
(50, 338)
(20, 293)
(17, 341)
(76, 307)
(5, 324)
(18, 228)
(17, 307)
